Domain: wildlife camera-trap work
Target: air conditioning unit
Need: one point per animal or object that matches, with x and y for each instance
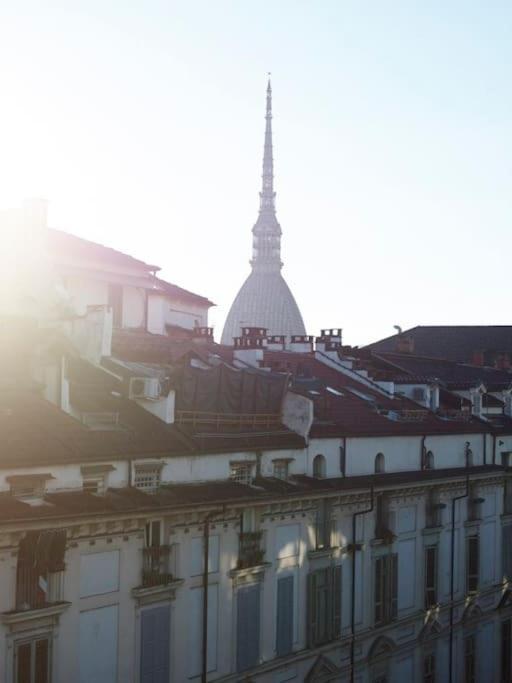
(145, 387)
(418, 394)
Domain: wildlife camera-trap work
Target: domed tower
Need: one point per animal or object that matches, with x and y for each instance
(265, 300)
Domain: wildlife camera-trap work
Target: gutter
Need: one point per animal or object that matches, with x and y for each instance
(353, 601)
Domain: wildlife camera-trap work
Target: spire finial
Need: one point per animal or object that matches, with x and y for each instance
(267, 232)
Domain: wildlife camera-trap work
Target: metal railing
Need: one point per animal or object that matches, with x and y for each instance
(155, 565)
(196, 417)
(250, 552)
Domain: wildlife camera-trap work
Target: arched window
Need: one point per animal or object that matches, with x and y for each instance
(380, 465)
(429, 460)
(319, 466)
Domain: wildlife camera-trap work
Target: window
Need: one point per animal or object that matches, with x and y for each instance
(386, 588)
(241, 472)
(248, 627)
(285, 618)
(343, 460)
(324, 605)
(115, 301)
(28, 485)
(472, 564)
(433, 510)
(32, 661)
(506, 651)
(429, 668)
(39, 567)
(469, 659)
(506, 551)
(430, 576)
(323, 525)
(382, 517)
(147, 477)
(429, 460)
(380, 465)
(474, 505)
(319, 466)
(281, 469)
(507, 497)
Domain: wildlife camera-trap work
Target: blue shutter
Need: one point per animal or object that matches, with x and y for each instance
(248, 627)
(154, 658)
(284, 639)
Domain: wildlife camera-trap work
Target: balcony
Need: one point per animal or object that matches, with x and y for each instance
(155, 566)
(250, 552)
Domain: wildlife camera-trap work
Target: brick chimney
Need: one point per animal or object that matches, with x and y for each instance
(405, 344)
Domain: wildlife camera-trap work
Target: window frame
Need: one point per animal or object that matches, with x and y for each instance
(32, 640)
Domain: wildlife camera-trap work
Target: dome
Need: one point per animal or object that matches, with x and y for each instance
(264, 300)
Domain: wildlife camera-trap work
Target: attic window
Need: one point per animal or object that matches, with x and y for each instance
(147, 477)
(281, 469)
(28, 485)
(101, 421)
(241, 472)
(94, 478)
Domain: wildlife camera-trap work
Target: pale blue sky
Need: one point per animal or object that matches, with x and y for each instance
(142, 124)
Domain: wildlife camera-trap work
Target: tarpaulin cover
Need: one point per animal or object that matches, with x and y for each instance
(43, 550)
(227, 390)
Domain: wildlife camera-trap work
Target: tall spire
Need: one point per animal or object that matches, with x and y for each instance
(267, 194)
(266, 243)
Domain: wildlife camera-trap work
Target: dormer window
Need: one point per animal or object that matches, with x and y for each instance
(94, 478)
(147, 476)
(25, 486)
(281, 469)
(319, 466)
(380, 463)
(429, 460)
(241, 472)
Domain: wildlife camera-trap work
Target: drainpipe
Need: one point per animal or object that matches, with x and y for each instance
(494, 449)
(452, 571)
(206, 548)
(353, 602)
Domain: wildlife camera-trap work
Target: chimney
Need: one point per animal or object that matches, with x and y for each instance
(301, 343)
(250, 347)
(202, 335)
(405, 344)
(329, 340)
(276, 342)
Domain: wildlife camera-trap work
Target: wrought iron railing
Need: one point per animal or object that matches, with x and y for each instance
(197, 417)
(250, 553)
(155, 565)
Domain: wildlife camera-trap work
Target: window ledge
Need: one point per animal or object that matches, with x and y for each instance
(166, 591)
(249, 574)
(472, 523)
(19, 616)
(322, 552)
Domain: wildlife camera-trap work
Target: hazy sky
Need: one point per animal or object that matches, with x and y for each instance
(142, 124)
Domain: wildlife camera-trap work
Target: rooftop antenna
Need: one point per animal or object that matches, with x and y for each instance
(398, 329)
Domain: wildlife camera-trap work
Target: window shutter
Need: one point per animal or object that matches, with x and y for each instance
(248, 627)
(336, 601)
(393, 576)
(506, 549)
(312, 608)
(284, 637)
(379, 597)
(154, 659)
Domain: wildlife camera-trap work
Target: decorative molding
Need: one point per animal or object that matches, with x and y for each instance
(145, 595)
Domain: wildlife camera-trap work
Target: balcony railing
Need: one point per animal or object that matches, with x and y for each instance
(250, 552)
(155, 565)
